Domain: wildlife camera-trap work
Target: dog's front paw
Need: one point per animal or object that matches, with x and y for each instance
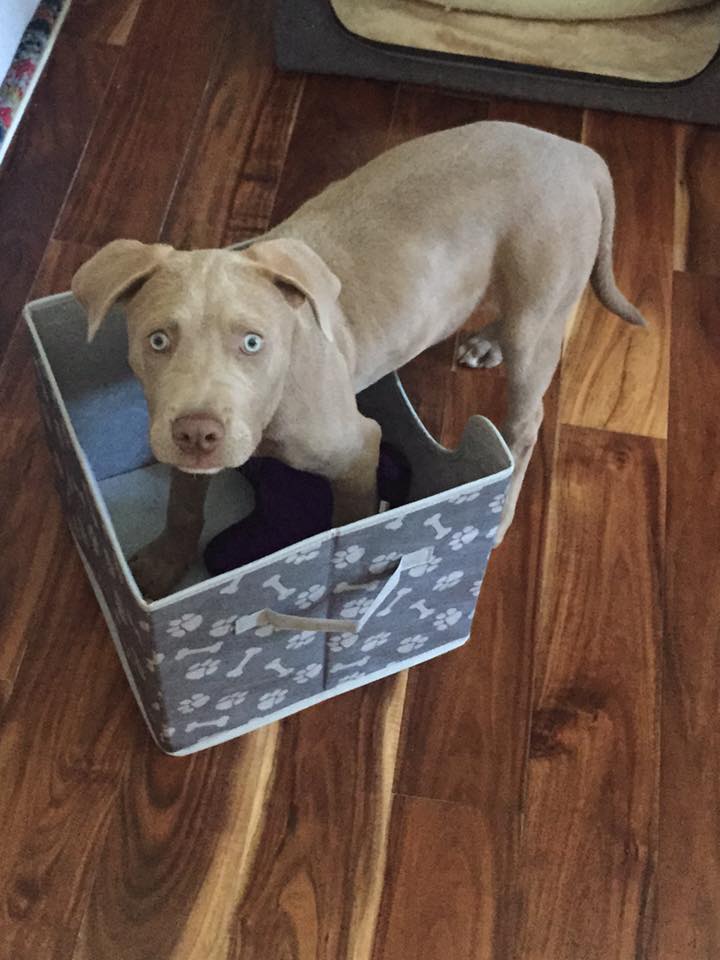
(158, 568)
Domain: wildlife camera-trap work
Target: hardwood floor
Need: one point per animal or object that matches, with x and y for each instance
(551, 791)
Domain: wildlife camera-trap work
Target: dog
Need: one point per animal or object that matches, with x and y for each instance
(263, 350)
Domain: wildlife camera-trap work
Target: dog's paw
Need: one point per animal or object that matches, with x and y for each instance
(157, 570)
(477, 351)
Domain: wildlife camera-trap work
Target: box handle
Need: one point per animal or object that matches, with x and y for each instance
(287, 621)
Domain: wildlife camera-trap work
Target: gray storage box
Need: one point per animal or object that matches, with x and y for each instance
(227, 654)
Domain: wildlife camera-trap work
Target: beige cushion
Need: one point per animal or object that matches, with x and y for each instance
(639, 48)
(570, 9)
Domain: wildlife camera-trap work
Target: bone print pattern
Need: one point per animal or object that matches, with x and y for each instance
(198, 678)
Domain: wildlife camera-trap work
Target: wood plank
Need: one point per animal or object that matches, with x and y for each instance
(67, 714)
(618, 376)
(131, 164)
(342, 123)
(689, 875)
(698, 204)
(28, 537)
(437, 874)
(38, 170)
(420, 111)
(590, 834)
(179, 852)
(318, 877)
(102, 21)
(228, 185)
(551, 117)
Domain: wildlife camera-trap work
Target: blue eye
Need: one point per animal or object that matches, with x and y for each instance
(159, 341)
(252, 343)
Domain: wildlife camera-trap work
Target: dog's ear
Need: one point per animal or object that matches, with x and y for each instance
(112, 273)
(299, 273)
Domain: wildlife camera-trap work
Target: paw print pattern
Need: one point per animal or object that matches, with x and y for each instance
(377, 640)
(299, 640)
(306, 598)
(446, 619)
(497, 503)
(222, 627)
(194, 702)
(464, 497)
(475, 588)
(449, 580)
(355, 608)
(420, 569)
(411, 644)
(184, 624)
(309, 672)
(232, 700)
(348, 677)
(342, 641)
(272, 699)
(347, 556)
(492, 533)
(302, 556)
(461, 538)
(202, 669)
(383, 562)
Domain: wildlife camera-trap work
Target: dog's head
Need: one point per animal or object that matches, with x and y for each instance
(210, 336)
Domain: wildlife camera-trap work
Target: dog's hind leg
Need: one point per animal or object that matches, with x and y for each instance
(532, 347)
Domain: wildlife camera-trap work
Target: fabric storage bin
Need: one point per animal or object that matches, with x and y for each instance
(224, 655)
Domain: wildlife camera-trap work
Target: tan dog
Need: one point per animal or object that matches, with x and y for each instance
(263, 350)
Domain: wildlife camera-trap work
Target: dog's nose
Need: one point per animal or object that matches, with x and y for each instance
(197, 433)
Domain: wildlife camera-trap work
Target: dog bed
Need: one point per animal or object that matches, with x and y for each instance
(665, 64)
(665, 47)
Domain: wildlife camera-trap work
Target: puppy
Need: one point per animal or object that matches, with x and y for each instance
(262, 351)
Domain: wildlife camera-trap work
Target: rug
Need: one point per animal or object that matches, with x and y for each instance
(32, 53)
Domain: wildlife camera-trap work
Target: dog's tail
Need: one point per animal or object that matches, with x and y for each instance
(602, 278)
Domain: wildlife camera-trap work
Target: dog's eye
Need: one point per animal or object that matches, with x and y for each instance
(252, 343)
(159, 341)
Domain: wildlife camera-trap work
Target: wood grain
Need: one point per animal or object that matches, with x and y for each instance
(405, 819)
(593, 774)
(29, 538)
(129, 170)
(102, 21)
(232, 170)
(689, 878)
(341, 124)
(618, 377)
(40, 165)
(698, 193)
(437, 907)
(63, 743)
(178, 853)
(552, 117)
(319, 872)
